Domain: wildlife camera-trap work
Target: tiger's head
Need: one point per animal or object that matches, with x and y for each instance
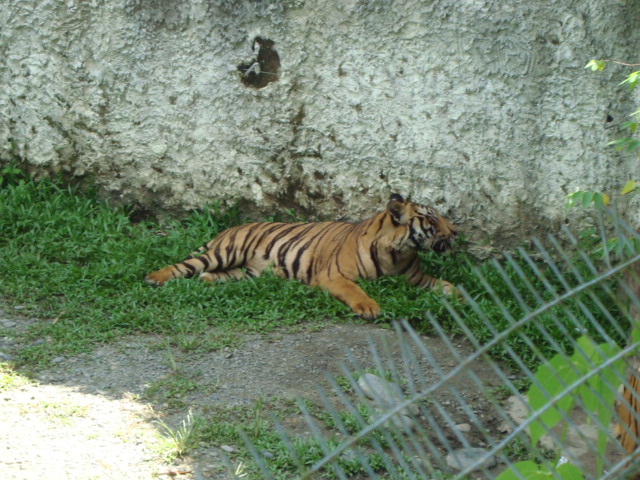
(426, 229)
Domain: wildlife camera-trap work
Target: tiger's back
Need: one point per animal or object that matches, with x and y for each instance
(327, 254)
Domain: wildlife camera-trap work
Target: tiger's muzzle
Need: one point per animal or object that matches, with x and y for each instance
(444, 240)
(444, 244)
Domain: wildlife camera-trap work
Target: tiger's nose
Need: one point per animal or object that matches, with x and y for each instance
(448, 231)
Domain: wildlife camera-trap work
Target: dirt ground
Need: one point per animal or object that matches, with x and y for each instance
(87, 417)
(91, 416)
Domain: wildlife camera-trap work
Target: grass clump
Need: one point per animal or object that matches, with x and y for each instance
(9, 378)
(177, 442)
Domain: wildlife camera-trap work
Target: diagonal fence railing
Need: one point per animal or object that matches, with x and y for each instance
(551, 391)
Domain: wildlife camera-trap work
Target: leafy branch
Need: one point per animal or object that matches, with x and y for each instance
(629, 143)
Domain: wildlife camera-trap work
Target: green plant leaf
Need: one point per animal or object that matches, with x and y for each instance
(568, 471)
(595, 65)
(584, 199)
(600, 200)
(590, 358)
(630, 186)
(599, 392)
(631, 125)
(553, 378)
(635, 333)
(528, 470)
(631, 80)
(627, 143)
(532, 471)
(587, 197)
(573, 199)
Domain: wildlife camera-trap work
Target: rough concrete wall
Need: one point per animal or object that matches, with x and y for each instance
(481, 108)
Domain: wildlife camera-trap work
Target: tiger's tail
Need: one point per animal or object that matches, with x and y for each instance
(195, 263)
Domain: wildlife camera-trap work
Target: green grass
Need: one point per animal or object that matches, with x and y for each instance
(176, 442)
(10, 379)
(222, 426)
(69, 256)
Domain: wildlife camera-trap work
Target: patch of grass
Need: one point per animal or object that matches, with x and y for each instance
(177, 442)
(171, 389)
(223, 426)
(9, 378)
(57, 412)
(191, 342)
(519, 450)
(72, 257)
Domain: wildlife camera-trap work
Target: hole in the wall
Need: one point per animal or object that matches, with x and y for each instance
(264, 68)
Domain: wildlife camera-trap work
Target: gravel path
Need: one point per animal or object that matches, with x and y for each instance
(57, 431)
(87, 416)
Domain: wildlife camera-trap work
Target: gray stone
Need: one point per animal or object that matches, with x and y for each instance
(447, 106)
(385, 396)
(463, 427)
(402, 422)
(6, 357)
(464, 458)
(383, 393)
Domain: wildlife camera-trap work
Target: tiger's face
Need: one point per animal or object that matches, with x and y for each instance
(426, 229)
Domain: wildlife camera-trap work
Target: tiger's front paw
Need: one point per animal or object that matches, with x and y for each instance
(368, 309)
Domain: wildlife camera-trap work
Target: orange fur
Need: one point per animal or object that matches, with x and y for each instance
(628, 428)
(331, 255)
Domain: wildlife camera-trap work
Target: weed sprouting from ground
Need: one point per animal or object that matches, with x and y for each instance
(177, 442)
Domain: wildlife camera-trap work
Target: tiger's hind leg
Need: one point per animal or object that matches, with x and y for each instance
(417, 277)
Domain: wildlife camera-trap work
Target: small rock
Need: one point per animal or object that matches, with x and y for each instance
(504, 427)
(401, 421)
(5, 357)
(385, 394)
(228, 448)
(463, 427)
(19, 307)
(8, 323)
(268, 455)
(464, 458)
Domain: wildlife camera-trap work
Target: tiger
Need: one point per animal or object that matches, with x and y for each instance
(628, 409)
(329, 255)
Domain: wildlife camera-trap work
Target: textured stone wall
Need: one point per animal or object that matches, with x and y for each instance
(481, 108)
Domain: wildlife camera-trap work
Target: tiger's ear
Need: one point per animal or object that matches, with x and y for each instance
(397, 208)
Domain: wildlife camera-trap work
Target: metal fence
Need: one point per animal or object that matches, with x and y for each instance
(546, 394)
